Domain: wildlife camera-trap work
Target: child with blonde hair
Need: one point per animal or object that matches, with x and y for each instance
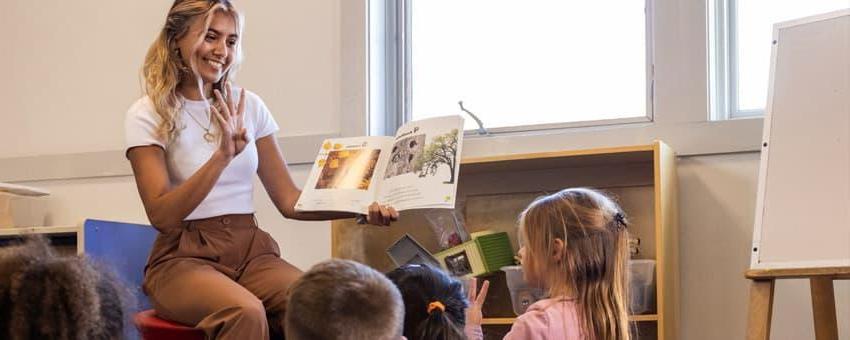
(575, 247)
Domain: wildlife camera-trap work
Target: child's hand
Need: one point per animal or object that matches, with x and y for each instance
(476, 301)
(381, 215)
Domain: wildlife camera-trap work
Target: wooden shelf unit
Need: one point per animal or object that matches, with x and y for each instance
(492, 191)
(55, 233)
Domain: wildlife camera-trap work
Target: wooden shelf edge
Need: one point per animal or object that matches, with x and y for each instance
(508, 321)
(497, 321)
(555, 154)
(19, 231)
(644, 317)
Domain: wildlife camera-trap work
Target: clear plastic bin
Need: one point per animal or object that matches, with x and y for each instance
(522, 295)
(22, 211)
(642, 286)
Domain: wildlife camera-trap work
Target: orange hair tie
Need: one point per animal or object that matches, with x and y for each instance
(436, 304)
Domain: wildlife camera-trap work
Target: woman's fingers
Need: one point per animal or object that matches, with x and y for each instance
(385, 215)
(382, 215)
(230, 104)
(388, 214)
(471, 290)
(241, 109)
(393, 213)
(244, 135)
(218, 115)
(224, 93)
(374, 213)
(224, 107)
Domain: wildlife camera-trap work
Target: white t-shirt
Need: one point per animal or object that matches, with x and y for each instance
(233, 193)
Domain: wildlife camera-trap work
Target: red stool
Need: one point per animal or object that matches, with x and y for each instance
(154, 328)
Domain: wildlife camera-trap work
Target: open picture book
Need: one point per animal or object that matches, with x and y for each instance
(415, 169)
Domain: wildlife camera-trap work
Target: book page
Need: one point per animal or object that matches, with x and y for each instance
(423, 165)
(344, 175)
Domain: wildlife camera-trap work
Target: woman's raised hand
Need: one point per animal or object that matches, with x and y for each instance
(231, 118)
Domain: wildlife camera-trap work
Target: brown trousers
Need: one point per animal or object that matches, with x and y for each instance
(223, 275)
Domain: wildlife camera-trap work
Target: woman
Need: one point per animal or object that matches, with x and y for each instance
(194, 143)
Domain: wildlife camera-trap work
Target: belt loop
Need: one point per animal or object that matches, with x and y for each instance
(254, 218)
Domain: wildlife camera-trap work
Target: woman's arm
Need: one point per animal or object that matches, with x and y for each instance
(166, 207)
(284, 193)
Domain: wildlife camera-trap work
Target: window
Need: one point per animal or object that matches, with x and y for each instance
(742, 31)
(517, 65)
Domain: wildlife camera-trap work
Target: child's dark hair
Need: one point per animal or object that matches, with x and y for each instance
(434, 302)
(45, 296)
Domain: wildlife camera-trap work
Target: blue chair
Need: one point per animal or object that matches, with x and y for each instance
(124, 247)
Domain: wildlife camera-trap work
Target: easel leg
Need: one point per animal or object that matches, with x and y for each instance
(761, 306)
(823, 308)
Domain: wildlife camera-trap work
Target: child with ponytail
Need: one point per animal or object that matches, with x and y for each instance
(575, 247)
(434, 303)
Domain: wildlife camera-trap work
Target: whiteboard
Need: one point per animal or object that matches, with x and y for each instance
(803, 208)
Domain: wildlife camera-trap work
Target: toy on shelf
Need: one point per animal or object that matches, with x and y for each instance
(486, 252)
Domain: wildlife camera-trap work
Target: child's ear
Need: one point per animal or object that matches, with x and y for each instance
(558, 249)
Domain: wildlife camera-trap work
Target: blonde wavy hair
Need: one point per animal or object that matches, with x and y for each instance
(593, 266)
(164, 69)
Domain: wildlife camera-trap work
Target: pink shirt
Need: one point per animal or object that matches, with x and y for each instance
(545, 319)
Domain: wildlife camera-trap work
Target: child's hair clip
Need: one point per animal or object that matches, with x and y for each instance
(436, 305)
(620, 219)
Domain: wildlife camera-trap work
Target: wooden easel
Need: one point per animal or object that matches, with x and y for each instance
(823, 299)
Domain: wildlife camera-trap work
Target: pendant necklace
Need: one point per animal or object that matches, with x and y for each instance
(208, 136)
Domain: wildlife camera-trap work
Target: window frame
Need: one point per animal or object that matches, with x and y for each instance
(723, 62)
(681, 112)
(394, 86)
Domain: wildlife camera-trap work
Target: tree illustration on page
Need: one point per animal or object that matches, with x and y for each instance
(442, 150)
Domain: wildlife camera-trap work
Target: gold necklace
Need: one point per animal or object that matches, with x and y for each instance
(208, 136)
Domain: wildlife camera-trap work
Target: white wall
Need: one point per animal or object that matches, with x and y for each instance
(72, 68)
(717, 205)
(717, 208)
(73, 72)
